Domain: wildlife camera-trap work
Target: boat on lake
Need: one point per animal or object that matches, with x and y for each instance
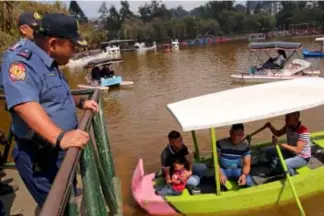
(315, 53)
(221, 109)
(141, 47)
(102, 76)
(295, 69)
(257, 37)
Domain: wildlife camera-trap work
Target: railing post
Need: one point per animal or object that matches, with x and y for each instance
(101, 136)
(95, 204)
(107, 184)
(105, 161)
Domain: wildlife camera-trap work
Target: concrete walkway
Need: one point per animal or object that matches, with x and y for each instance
(20, 202)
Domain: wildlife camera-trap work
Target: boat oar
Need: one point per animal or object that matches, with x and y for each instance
(285, 168)
(249, 136)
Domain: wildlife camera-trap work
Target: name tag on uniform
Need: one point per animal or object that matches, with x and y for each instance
(50, 74)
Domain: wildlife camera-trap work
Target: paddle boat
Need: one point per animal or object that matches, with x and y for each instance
(221, 109)
(141, 47)
(257, 37)
(315, 53)
(164, 48)
(294, 69)
(101, 76)
(175, 44)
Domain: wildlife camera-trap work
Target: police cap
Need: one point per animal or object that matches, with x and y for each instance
(29, 18)
(62, 26)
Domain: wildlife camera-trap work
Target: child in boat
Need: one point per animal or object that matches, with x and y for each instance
(177, 186)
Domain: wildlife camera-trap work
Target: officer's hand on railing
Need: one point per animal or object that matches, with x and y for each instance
(92, 105)
(74, 138)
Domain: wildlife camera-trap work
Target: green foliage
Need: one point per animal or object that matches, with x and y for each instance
(296, 12)
(10, 11)
(156, 22)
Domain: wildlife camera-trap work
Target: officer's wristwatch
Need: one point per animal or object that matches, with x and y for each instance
(81, 103)
(59, 139)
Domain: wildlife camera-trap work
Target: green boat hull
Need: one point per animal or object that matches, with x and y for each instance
(307, 182)
(235, 200)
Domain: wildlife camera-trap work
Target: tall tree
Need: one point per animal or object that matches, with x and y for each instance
(125, 12)
(103, 13)
(76, 11)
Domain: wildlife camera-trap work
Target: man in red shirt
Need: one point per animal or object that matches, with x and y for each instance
(296, 151)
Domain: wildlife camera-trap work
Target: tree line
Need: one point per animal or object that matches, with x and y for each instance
(10, 11)
(155, 22)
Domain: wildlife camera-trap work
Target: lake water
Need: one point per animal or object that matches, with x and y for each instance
(138, 120)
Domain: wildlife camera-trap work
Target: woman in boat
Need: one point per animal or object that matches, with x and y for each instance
(275, 63)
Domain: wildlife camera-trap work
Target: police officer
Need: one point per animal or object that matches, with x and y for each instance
(27, 22)
(40, 103)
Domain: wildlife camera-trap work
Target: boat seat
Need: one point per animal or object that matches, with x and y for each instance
(303, 169)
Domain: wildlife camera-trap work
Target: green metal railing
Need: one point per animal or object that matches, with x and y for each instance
(101, 188)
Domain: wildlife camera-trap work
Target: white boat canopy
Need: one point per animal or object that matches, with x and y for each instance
(319, 39)
(246, 104)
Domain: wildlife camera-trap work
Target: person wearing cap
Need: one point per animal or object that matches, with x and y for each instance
(27, 22)
(43, 111)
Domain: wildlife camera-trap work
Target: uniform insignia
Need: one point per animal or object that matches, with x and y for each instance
(14, 47)
(17, 71)
(25, 53)
(37, 16)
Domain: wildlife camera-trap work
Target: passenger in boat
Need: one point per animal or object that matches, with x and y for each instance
(106, 71)
(235, 157)
(178, 183)
(95, 74)
(296, 151)
(275, 63)
(177, 149)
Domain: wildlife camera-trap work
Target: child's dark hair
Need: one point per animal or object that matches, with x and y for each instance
(179, 160)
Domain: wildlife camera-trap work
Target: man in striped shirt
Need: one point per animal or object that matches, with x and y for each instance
(297, 150)
(235, 157)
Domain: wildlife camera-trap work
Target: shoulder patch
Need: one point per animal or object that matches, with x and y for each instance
(17, 71)
(25, 53)
(14, 47)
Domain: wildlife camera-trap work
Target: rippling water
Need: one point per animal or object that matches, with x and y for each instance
(138, 121)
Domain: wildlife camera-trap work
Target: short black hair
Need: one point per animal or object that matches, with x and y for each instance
(239, 126)
(297, 113)
(174, 135)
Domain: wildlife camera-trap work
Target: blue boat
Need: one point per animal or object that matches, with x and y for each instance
(316, 53)
(102, 75)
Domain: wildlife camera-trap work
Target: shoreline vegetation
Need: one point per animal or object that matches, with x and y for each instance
(154, 22)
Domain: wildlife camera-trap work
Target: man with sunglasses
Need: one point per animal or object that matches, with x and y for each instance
(42, 109)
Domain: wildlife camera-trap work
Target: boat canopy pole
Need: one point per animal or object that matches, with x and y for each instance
(258, 57)
(215, 160)
(285, 168)
(196, 147)
(291, 55)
